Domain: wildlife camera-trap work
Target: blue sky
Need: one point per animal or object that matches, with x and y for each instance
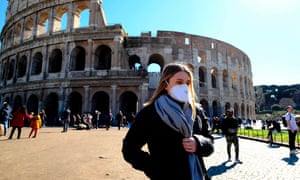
(268, 31)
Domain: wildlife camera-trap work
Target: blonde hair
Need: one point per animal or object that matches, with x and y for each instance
(169, 71)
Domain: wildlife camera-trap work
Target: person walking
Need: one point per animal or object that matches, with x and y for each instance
(66, 119)
(17, 121)
(119, 118)
(35, 124)
(4, 116)
(43, 117)
(229, 128)
(170, 127)
(292, 128)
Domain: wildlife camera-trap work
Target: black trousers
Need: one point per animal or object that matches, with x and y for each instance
(13, 131)
(292, 138)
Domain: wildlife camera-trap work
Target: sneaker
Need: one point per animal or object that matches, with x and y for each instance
(237, 161)
(229, 160)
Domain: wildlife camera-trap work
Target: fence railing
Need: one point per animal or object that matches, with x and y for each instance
(280, 138)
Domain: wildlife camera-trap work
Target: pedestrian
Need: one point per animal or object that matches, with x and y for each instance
(109, 119)
(5, 114)
(66, 117)
(119, 118)
(43, 117)
(292, 128)
(17, 121)
(35, 124)
(96, 118)
(230, 127)
(170, 127)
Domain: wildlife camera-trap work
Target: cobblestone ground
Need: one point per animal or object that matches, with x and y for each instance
(259, 161)
(96, 154)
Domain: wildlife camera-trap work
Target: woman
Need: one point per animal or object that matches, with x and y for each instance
(18, 121)
(171, 127)
(35, 124)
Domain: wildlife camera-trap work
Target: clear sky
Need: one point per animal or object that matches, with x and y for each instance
(268, 31)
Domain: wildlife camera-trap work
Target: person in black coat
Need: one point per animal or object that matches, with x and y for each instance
(171, 127)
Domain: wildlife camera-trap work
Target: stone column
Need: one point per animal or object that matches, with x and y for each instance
(144, 95)
(116, 56)
(50, 21)
(70, 13)
(86, 98)
(89, 63)
(113, 100)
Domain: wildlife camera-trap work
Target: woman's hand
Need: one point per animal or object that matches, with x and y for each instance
(189, 144)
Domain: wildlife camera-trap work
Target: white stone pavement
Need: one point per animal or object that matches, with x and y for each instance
(259, 161)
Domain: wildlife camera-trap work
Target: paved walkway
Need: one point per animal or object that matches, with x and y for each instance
(96, 154)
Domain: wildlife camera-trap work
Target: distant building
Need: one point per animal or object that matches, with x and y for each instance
(44, 64)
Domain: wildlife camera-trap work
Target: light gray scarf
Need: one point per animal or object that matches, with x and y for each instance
(179, 119)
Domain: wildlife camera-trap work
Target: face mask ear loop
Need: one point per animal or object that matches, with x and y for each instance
(167, 83)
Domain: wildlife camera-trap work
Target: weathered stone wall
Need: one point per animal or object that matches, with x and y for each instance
(99, 67)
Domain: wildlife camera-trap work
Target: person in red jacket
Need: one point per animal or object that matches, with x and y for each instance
(18, 121)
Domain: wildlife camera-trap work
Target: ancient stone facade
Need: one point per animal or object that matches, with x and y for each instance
(99, 67)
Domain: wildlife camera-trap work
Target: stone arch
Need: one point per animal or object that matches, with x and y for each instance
(11, 69)
(134, 61)
(55, 61)
(103, 58)
(158, 59)
(58, 19)
(22, 63)
(128, 102)
(227, 106)
(201, 57)
(225, 79)
(205, 105)
(10, 36)
(214, 76)
(202, 76)
(4, 71)
(83, 8)
(100, 102)
(42, 24)
(234, 80)
(18, 102)
(75, 102)
(37, 62)
(33, 104)
(236, 109)
(51, 109)
(28, 29)
(18, 31)
(78, 59)
(215, 108)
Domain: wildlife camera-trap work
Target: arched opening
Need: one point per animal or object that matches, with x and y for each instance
(103, 58)
(51, 109)
(11, 69)
(75, 102)
(128, 103)
(100, 102)
(32, 104)
(55, 61)
(37, 63)
(202, 77)
(18, 102)
(214, 75)
(28, 28)
(78, 59)
(134, 62)
(22, 66)
(42, 26)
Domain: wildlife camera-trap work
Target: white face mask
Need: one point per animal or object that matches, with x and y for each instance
(180, 93)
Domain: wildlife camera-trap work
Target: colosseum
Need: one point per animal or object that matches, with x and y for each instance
(51, 64)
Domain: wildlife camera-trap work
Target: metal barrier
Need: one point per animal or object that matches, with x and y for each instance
(280, 138)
